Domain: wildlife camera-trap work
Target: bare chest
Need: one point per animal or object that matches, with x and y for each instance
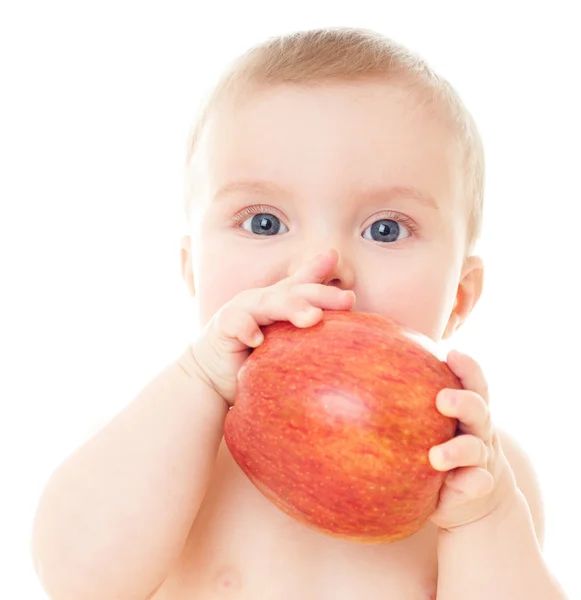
(243, 547)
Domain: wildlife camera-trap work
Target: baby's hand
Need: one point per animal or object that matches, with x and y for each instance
(224, 343)
(480, 478)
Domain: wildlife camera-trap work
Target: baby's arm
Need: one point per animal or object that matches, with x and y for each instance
(116, 514)
(488, 542)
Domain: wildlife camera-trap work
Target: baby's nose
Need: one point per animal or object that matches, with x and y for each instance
(334, 281)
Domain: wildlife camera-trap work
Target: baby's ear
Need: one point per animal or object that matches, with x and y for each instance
(186, 258)
(467, 294)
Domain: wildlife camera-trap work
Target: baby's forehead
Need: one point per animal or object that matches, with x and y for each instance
(360, 112)
(348, 124)
(232, 108)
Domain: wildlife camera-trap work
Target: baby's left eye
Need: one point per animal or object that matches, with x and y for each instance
(386, 230)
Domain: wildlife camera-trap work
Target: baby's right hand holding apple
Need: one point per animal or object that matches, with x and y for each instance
(225, 342)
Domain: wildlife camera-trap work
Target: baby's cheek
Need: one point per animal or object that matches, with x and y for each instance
(221, 276)
(420, 299)
(217, 286)
(426, 311)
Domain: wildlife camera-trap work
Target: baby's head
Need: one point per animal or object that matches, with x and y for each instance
(337, 138)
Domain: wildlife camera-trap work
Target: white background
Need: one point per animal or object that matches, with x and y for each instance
(97, 100)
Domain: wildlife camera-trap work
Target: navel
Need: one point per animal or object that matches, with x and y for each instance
(430, 591)
(228, 581)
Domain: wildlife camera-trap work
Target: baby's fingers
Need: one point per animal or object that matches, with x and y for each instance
(315, 270)
(469, 372)
(469, 408)
(471, 482)
(302, 305)
(461, 451)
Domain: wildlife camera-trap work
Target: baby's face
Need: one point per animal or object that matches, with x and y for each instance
(299, 170)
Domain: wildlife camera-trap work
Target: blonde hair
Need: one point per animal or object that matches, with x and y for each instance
(349, 54)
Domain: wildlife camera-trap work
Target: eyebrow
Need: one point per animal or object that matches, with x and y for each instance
(254, 187)
(390, 193)
(401, 192)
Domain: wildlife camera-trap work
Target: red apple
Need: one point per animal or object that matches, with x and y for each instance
(333, 424)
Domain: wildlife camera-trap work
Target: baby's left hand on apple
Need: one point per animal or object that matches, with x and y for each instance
(479, 477)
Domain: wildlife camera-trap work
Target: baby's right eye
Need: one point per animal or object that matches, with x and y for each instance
(264, 224)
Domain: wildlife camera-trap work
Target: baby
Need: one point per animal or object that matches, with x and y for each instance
(330, 169)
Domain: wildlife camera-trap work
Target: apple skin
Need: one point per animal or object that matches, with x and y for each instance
(333, 424)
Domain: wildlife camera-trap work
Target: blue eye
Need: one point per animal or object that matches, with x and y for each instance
(386, 230)
(264, 224)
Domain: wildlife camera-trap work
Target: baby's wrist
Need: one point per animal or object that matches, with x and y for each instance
(190, 365)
